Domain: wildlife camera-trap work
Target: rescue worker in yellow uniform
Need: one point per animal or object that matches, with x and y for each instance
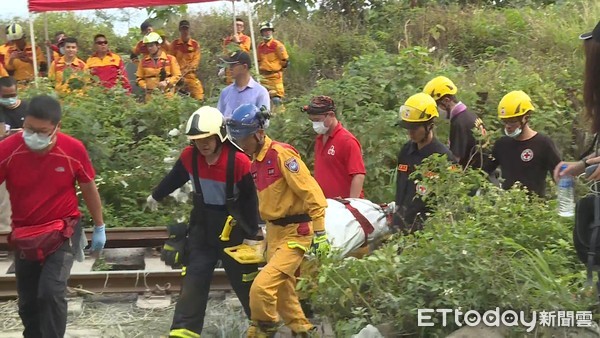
(67, 70)
(18, 58)
(272, 59)
(236, 41)
(293, 206)
(157, 71)
(4, 48)
(187, 52)
(140, 48)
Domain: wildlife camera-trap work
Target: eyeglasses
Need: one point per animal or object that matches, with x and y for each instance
(102, 42)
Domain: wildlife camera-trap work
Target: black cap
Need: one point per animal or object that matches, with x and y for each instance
(184, 23)
(595, 34)
(240, 57)
(144, 26)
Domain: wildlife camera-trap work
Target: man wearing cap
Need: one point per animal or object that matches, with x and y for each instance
(187, 52)
(236, 41)
(272, 59)
(141, 48)
(244, 90)
(339, 166)
(417, 115)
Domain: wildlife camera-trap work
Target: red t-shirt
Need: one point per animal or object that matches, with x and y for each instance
(42, 186)
(213, 177)
(337, 161)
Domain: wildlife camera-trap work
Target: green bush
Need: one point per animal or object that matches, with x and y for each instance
(498, 249)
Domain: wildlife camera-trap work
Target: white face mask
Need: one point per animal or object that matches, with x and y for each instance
(36, 141)
(61, 50)
(514, 134)
(319, 127)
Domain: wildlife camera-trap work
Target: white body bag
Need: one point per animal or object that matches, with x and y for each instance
(345, 232)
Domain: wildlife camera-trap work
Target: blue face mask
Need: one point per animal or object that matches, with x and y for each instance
(8, 101)
(36, 141)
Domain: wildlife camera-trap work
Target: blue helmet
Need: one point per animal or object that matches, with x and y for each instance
(246, 120)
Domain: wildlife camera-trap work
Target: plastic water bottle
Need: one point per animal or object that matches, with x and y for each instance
(566, 195)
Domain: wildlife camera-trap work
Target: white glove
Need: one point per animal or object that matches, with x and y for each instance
(391, 208)
(151, 203)
(221, 72)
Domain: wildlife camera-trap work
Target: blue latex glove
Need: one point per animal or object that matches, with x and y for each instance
(98, 238)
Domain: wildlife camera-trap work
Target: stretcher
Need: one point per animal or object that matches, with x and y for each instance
(351, 224)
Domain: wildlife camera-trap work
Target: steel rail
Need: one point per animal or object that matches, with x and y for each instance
(131, 281)
(138, 237)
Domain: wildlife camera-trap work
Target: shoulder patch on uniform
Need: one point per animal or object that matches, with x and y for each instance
(292, 165)
(402, 167)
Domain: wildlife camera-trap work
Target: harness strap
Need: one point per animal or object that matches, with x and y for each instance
(195, 174)
(362, 220)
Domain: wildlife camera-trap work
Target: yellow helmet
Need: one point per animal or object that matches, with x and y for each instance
(514, 104)
(14, 32)
(440, 86)
(418, 109)
(152, 37)
(206, 122)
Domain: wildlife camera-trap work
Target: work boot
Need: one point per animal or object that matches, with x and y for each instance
(311, 333)
(262, 330)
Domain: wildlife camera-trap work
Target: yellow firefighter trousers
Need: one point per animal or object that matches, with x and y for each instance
(274, 289)
(194, 86)
(274, 84)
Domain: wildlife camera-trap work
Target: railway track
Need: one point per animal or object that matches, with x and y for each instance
(118, 237)
(155, 276)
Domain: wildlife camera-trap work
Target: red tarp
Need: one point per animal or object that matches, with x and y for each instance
(72, 5)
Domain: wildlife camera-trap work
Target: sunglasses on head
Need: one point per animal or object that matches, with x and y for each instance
(102, 42)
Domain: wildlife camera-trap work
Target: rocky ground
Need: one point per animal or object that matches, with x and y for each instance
(120, 316)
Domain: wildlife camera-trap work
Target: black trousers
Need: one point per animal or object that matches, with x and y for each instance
(42, 293)
(204, 249)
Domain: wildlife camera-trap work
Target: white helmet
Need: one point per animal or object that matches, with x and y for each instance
(14, 32)
(205, 122)
(152, 37)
